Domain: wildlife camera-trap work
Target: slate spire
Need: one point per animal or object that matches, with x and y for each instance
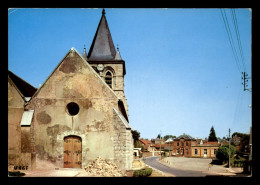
(84, 52)
(118, 56)
(102, 47)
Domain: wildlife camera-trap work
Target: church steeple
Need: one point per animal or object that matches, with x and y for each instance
(102, 47)
(106, 60)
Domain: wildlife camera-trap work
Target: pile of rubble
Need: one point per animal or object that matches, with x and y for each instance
(103, 168)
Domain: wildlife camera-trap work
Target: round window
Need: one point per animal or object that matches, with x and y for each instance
(73, 108)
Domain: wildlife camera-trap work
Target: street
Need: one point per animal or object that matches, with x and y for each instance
(152, 161)
(190, 167)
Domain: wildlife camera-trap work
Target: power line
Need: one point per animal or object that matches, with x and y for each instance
(238, 106)
(238, 37)
(230, 38)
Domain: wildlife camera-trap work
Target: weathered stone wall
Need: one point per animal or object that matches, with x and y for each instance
(118, 80)
(19, 151)
(73, 81)
(123, 144)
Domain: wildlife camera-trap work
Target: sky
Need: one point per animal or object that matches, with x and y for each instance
(181, 73)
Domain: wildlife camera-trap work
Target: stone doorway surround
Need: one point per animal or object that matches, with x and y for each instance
(60, 139)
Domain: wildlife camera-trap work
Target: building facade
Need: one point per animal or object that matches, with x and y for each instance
(19, 92)
(205, 149)
(187, 146)
(79, 113)
(182, 146)
(148, 145)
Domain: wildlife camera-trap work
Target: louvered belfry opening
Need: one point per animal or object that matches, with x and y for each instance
(108, 79)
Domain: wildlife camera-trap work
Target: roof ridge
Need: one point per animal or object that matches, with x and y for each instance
(122, 118)
(24, 87)
(73, 49)
(19, 92)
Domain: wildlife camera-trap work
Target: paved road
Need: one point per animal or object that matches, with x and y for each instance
(151, 161)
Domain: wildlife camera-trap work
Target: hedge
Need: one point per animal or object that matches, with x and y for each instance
(143, 173)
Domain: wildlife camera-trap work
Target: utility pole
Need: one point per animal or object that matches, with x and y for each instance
(245, 78)
(229, 148)
(170, 149)
(160, 145)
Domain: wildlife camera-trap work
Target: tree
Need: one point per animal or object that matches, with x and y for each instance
(244, 141)
(159, 136)
(223, 152)
(136, 135)
(138, 144)
(238, 134)
(212, 135)
(168, 136)
(245, 144)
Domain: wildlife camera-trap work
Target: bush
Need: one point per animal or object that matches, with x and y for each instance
(238, 162)
(143, 173)
(223, 152)
(165, 150)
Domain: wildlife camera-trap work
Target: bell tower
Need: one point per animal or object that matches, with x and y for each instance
(106, 60)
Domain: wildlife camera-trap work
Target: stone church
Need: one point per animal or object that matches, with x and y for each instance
(78, 114)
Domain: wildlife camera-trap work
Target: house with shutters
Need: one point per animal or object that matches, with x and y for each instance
(78, 114)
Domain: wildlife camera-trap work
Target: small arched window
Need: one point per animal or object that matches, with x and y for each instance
(108, 79)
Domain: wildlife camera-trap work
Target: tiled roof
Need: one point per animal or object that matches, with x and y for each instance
(146, 142)
(207, 143)
(185, 136)
(24, 87)
(162, 145)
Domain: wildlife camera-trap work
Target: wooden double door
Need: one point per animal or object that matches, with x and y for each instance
(72, 152)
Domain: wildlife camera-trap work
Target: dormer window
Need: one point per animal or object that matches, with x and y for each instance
(108, 79)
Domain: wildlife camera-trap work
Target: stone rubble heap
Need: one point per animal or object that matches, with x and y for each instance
(103, 168)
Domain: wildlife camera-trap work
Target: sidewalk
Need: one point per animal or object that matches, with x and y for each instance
(61, 172)
(199, 164)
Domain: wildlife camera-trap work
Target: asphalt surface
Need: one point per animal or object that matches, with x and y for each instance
(152, 161)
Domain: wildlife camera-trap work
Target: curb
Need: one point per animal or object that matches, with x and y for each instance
(161, 172)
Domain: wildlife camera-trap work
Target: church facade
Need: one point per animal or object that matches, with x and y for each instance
(78, 114)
